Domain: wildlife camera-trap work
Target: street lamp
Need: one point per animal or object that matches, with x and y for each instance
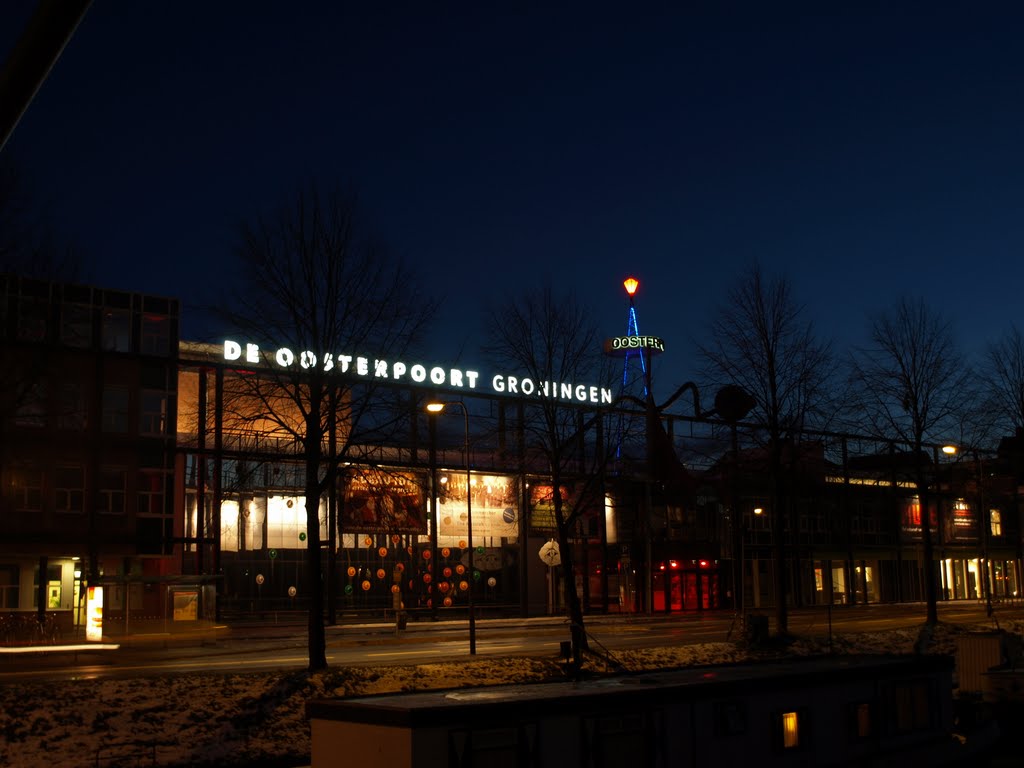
(437, 408)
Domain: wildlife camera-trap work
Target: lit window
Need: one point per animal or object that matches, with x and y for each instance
(995, 522)
(790, 730)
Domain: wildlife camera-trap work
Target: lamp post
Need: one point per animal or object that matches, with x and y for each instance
(437, 408)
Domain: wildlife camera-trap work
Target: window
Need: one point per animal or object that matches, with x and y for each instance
(995, 522)
(115, 409)
(26, 489)
(153, 493)
(153, 413)
(116, 330)
(68, 488)
(861, 721)
(9, 592)
(790, 729)
(31, 407)
(72, 413)
(110, 490)
(730, 719)
(910, 710)
(76, 325)
(32, 319)
(156, 334)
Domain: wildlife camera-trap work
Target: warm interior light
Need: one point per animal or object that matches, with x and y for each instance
(949, 450)
(631, 284)
(758, 510)
(790, 730)
(435, 407)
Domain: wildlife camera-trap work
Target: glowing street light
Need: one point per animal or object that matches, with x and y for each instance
(436, 408)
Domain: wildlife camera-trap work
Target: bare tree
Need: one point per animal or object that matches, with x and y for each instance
(1003, 378)
(553, 339)
(307, 280)
(761, 343)
(913, 386)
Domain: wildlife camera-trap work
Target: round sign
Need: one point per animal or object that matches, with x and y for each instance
(549, 553)
(302, 535)
(491, 582)
(383, 551)
(380, 573)
(480, 550)
(351, 571)
(462, 543)
(395, 538)
(292, 591)
(368, 541)
(463, 585)
(426, 578)
(509, 515)
(447, 602)
(459, 569)
(445, 552)
(443, 586)
(399, 567)
(259, 578)
(395, 589)
(366, 585)
(272, 553)
(426, 554)
(348, 589)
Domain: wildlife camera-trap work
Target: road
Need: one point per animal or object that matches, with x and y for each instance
(241, 648)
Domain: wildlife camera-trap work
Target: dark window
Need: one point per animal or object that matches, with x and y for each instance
(32, 319)
(69, 488)
(76, 325)
(110, 490)
(25, 489)
(910, 706)
(9, 586)
(153, 413)
(861, 719)
(117, 330)
(156, 334)
(73, 413)
(31, 407)
(115, 409)
(730, 718)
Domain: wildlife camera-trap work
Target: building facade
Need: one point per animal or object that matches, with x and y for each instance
(137, 461)
(88, 448)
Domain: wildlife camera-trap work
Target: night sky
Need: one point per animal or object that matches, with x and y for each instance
(866, 152)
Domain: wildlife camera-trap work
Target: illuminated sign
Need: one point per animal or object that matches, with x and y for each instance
(416, 373)
(627, 343)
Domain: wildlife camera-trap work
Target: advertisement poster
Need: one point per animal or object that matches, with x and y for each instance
(542, 508)
(492, 501)
(94, 614)
(912, 519)
(186, 606)
(381, 501)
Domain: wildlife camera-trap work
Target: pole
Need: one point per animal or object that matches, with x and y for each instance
(469, 535)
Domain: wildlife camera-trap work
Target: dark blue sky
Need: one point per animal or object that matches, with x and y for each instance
(867, 153)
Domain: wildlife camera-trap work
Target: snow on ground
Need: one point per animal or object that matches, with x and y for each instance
(259, 719)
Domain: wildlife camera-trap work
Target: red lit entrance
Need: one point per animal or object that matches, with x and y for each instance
(689, 587)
